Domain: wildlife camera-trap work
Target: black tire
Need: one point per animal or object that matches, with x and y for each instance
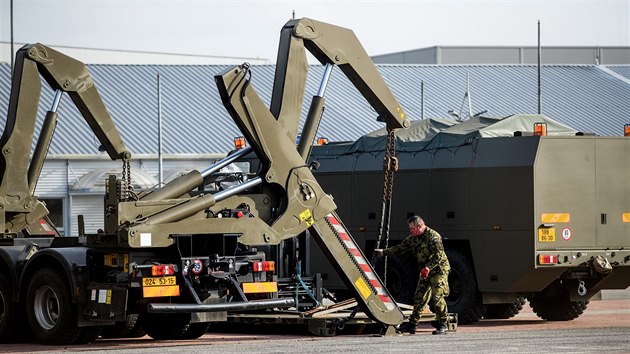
(196, 330)
(89, 334)
(51, 314)
(166, 326)
(402, 276)
(554, 304)
(12, 322)
(464, 298)
(130, 328)
(504, 311)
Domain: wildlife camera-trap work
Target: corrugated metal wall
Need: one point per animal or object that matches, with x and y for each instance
(90, 203)
(52, 182)
(91, 207)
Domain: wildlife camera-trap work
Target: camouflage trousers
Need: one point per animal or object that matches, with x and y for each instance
(436, 286)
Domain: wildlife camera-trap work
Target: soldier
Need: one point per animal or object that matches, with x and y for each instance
(426, 244)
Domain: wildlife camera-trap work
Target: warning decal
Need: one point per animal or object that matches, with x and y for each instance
(566, 234)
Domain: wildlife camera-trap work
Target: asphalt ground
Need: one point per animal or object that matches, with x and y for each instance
(603, 328)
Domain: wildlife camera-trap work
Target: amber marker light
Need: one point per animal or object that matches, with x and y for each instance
(540, 129)
(239, 142)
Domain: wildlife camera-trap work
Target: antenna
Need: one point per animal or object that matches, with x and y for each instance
(597, 50)
(539, 81)
(459, 115)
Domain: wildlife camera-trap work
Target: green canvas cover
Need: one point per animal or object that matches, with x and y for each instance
(438, 133)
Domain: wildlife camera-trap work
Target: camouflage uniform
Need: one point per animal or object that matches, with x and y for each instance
(429, 252)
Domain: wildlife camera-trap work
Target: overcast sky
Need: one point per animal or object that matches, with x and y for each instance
(251, 28)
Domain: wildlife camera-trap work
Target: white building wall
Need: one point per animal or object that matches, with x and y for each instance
(59, 176)
(53, 180)
(91, 207)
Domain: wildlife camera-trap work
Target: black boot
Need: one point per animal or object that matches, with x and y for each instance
(407, 327)
(441, 328)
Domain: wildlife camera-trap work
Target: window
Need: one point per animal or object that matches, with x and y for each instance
(55, 207)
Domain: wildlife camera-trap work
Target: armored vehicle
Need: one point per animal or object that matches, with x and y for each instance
(528, 208)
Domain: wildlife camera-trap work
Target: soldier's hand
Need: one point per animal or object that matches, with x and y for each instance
(379, 251)
(424, 273)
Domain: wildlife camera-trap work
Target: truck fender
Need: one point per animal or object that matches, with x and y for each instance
(8, 266)
(70, 261)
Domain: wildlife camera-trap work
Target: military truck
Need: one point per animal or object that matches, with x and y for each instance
(181, 256)
(543, 217)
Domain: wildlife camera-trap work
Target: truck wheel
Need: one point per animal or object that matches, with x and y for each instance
(166, 326)
(402, 277)
(196, 330)
(504, 311)
(49, 309)
(89, 334)
(12, 324)
(130, 328)
(554, 304)
(464, 298)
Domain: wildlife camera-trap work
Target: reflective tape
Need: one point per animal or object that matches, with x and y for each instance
(555, 217)
(365, 267)
(160, 291)
(261, 287)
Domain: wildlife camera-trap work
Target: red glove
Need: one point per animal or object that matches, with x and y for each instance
(424, 273)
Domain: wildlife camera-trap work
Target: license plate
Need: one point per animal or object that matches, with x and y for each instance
(159, 281)
(547, 235)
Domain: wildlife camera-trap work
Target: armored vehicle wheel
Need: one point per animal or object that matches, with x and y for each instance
(12, 324)
(464, 298)
(402, 276)
(49, 309)
(504, 311)
(554, 304)
(130, 328)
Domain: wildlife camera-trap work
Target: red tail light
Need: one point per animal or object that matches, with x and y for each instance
(268, 266)
(544, 259)
(162, 270)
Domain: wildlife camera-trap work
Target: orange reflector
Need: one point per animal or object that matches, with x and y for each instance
(239, 142)
(322, 141)
(262, 287)
(625, 217)
(547, 259)
(550, 218)
(160, 291)
(162, 269)
(540, 129)
(626, 130)
(268, 266)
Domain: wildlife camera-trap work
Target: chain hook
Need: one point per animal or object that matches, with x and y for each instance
(581, 288)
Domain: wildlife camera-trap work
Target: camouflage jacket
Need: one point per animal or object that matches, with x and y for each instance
(428, 250)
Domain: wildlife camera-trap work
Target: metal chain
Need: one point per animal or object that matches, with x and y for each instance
(390, 166)
(126, 177)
